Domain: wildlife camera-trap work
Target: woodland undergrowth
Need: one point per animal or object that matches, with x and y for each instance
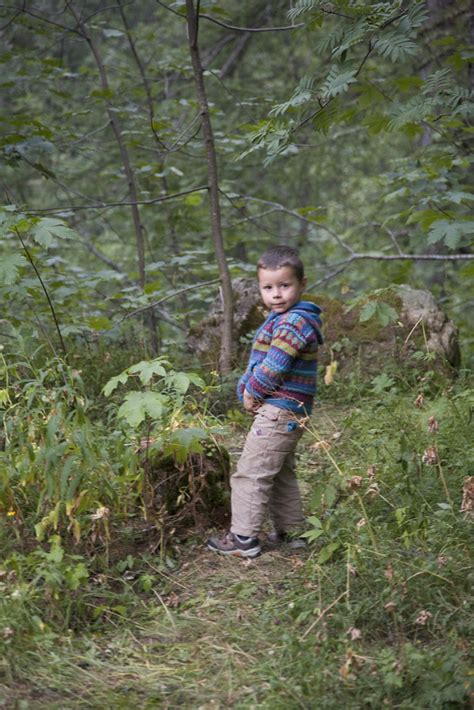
(108, 597)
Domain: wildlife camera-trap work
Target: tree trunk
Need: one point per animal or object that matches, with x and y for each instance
(192, 14)
(128, 169)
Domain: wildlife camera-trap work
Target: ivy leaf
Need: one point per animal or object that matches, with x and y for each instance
(137, 405)
(48, 228)
(9, 266)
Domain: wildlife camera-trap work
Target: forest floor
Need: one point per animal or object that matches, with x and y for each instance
(274, 632)
(215, 637)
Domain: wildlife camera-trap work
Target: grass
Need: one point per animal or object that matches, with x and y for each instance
(376, 614)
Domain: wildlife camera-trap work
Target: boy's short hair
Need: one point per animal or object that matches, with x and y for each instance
(280, 256)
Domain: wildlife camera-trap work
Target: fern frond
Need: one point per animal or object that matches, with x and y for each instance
(395, 47)
(414, 111)
(437, 82)
(301, 7)
(356, 34)
(417, 14)
(327, 117)
(330, 40)
(301, 95)
(337, 81)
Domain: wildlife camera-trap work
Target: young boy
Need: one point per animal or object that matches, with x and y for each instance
(278, 387)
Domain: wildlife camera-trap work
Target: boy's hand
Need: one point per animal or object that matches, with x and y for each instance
(250, 403)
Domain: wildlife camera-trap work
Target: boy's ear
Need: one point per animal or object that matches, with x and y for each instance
(304, 283)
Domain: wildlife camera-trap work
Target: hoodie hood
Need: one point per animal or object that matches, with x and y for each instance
(305, 309)
(311, 313)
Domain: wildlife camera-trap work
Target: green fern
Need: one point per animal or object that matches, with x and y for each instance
(414, 111)
(337, 82)
(302, 94)
(330, 40)
(303, 6)
(437, 82)
(395, 47)
(328, 117)
(417, 14)
(357, 34)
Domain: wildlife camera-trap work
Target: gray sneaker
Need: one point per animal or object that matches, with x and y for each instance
(290, 539)
(232, 545)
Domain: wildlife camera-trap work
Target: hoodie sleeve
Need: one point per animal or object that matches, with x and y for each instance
(242, 384)
(290, 337)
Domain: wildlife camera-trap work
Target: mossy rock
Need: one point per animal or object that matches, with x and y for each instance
(421, 327)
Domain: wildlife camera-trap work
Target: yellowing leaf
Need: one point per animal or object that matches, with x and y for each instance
(330, 372)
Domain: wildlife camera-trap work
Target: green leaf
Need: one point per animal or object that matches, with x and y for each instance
(98, 322)
(424, 218)
(193, 200)
(183, 442)
(147, 368)
(367, 311)
(381, 383)
(337, 82)
(48, 228)
(9, 266)
(458, 196)
(450, 232)
(385, 314)
(67, 468)
(327, 552)
(196, 380)
(395, 47)
(137, 405)
(114, 382)
(180, 382)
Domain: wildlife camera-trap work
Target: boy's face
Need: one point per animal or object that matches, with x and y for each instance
(280, 288)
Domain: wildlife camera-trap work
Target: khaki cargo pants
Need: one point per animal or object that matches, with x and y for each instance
(265, 476)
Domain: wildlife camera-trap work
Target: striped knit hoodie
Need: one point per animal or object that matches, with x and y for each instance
(283, 362)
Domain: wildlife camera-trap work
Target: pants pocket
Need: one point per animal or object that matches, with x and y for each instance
(268, 412)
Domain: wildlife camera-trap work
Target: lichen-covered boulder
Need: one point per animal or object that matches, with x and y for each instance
(420, 326)
(421, 310)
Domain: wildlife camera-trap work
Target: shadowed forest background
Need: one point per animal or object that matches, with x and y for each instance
(149, 153)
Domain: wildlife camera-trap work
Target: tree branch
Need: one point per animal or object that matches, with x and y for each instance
(251, 29)
(108, 205)
(301, 218)
(233, 27)
(45, 290)
(342, 265)
(141, 69)
(138, 311)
